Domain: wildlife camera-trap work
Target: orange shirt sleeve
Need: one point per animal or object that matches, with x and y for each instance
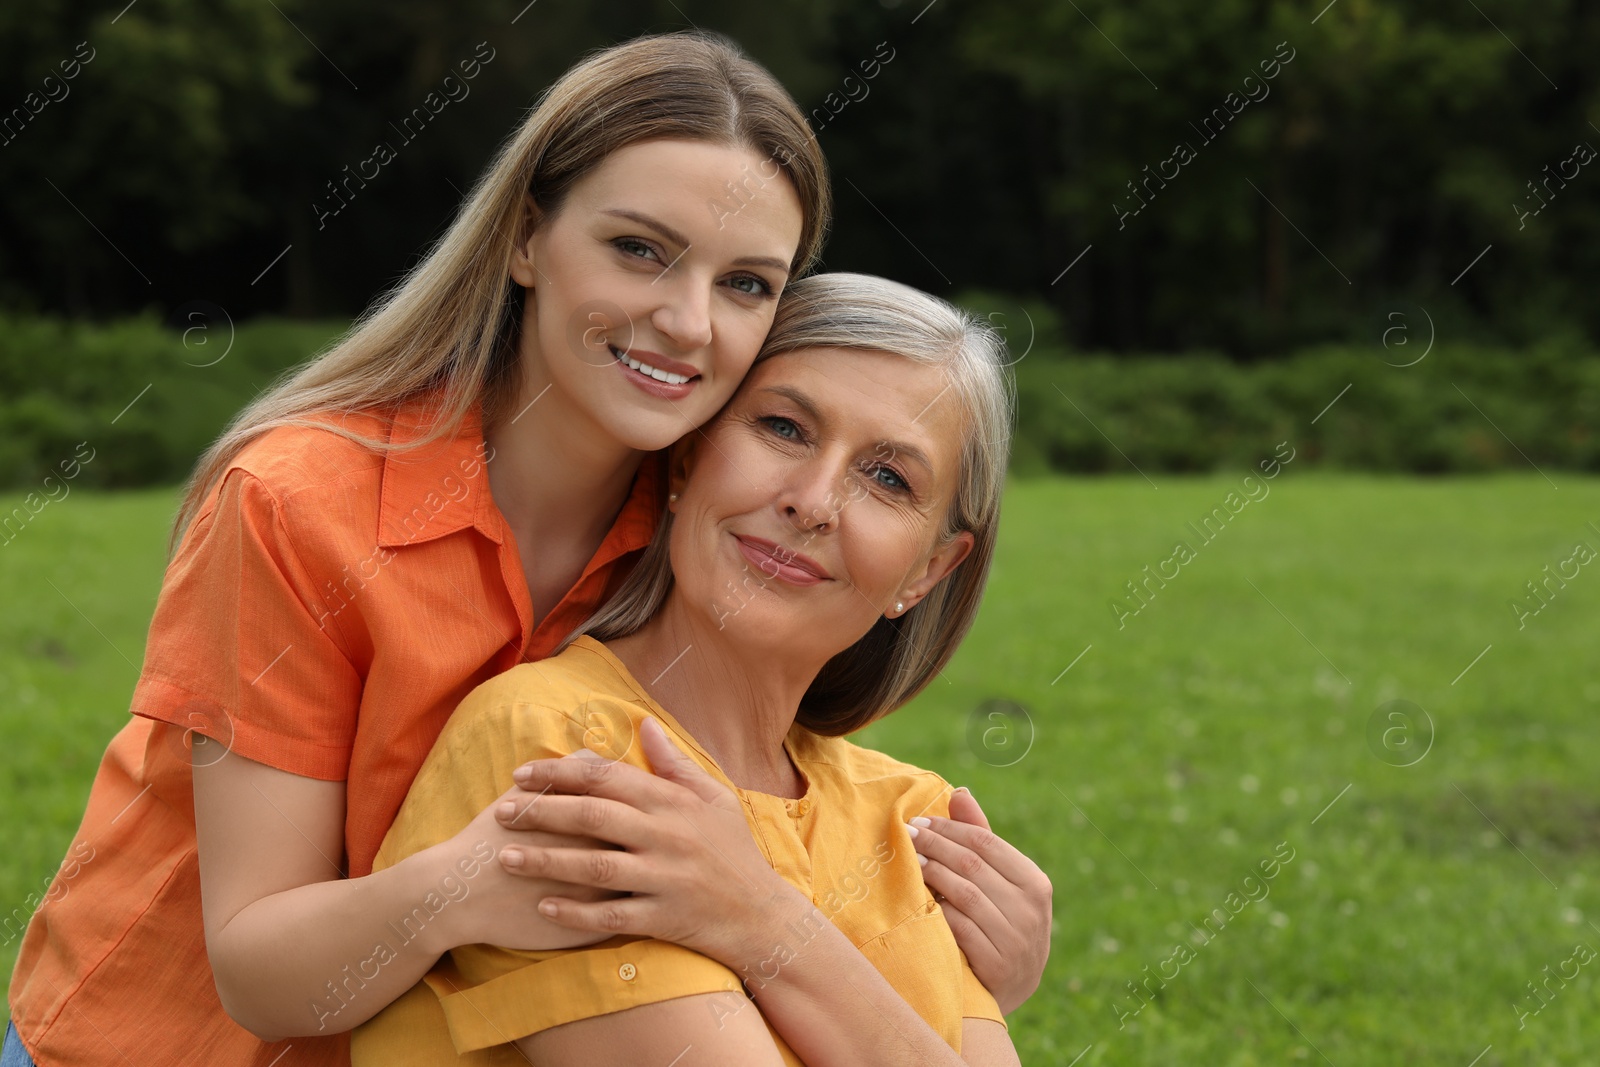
(238, 650)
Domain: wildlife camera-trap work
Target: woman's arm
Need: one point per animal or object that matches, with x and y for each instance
(298, 949)
(698, 880)
(699, 1030)
(984, 1041)
(833, 1007)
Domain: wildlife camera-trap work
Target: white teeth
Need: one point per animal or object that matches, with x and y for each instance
(648, 370)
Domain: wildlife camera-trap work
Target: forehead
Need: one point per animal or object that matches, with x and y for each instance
(876, 396)
(709, 191)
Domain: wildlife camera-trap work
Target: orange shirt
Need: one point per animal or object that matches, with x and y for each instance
(328, 609)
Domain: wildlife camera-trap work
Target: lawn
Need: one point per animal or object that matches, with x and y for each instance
(1424, 869)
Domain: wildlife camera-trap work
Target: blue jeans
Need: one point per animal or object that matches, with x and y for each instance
(14, 1054)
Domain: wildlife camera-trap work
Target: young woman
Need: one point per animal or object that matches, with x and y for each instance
(829, 539)
(448, 492)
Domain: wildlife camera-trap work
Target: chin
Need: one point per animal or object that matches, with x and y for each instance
(764, 622)
(648, 432)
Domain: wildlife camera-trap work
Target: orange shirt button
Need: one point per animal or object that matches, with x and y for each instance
(627, 972)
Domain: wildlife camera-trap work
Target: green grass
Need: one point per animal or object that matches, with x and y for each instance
(80, 583)
(1181, 749)
(1208, 730)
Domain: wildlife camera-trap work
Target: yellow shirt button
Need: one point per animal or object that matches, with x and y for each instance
(627, 972)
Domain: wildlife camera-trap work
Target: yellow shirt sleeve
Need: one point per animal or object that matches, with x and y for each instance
(492, 995)
(976, 1000)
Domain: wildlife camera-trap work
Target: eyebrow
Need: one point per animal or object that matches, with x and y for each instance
(803, 402)
(677, 238)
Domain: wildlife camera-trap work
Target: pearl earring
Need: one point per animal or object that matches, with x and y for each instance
(672, 497)
(899, 607)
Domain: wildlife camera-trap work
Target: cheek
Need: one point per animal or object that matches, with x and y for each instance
(734, 473)
(713, 393)
(881, 548)
(737, 340)
(577, 312)
(569, 337)
(719, 490)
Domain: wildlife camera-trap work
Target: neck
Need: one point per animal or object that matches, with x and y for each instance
(738, 702)
(557, 477)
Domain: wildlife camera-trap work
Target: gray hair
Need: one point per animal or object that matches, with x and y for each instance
(894, 660)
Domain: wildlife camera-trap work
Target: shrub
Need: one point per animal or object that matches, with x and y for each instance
(147, 399)
(1458, 410)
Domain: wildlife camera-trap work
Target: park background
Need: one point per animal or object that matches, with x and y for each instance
(1378, 255)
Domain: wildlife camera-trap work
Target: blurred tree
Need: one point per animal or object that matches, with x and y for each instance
(1384, 156)
(150, 144)
(1213, 206)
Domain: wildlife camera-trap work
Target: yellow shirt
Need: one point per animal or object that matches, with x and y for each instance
(844, 844)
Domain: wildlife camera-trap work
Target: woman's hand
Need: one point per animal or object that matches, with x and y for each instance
(695, 875)
(501, 908)
(699, 880)
(996, 900)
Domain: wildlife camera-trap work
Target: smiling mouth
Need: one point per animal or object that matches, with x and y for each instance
(775, 561)
(646, 369)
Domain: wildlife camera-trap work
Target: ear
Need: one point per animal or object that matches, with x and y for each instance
(680, 462)
(523, 270)
(946, 558)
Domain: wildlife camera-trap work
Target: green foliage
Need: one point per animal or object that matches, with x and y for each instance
(1375, 163)
(1460, 409)
(1457, 410)
(145, 399)
(151, 145)
(1004, 139)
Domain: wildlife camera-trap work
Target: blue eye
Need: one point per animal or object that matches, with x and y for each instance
(635, 248)
(890, 478)
(756, 286)
(784, 428)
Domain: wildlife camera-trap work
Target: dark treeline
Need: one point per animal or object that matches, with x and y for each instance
(1246, 176)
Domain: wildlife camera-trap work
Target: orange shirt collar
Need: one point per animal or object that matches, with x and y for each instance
(438, 488)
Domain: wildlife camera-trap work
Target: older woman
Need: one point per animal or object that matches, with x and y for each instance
(829, 538)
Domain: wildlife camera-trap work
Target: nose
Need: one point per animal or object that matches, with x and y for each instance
(684, 316)
(810, 498)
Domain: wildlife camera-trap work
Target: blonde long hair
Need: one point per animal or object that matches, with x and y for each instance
(451, 324)
(898, 657)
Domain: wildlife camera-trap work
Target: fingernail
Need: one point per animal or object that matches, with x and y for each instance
(507, 810)
(510, 858)
(653, 725)
(587, 753)
(962, 789)
(922, 861)
(920, 821)
(912, 830)
(521, 774)
(546, 908)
